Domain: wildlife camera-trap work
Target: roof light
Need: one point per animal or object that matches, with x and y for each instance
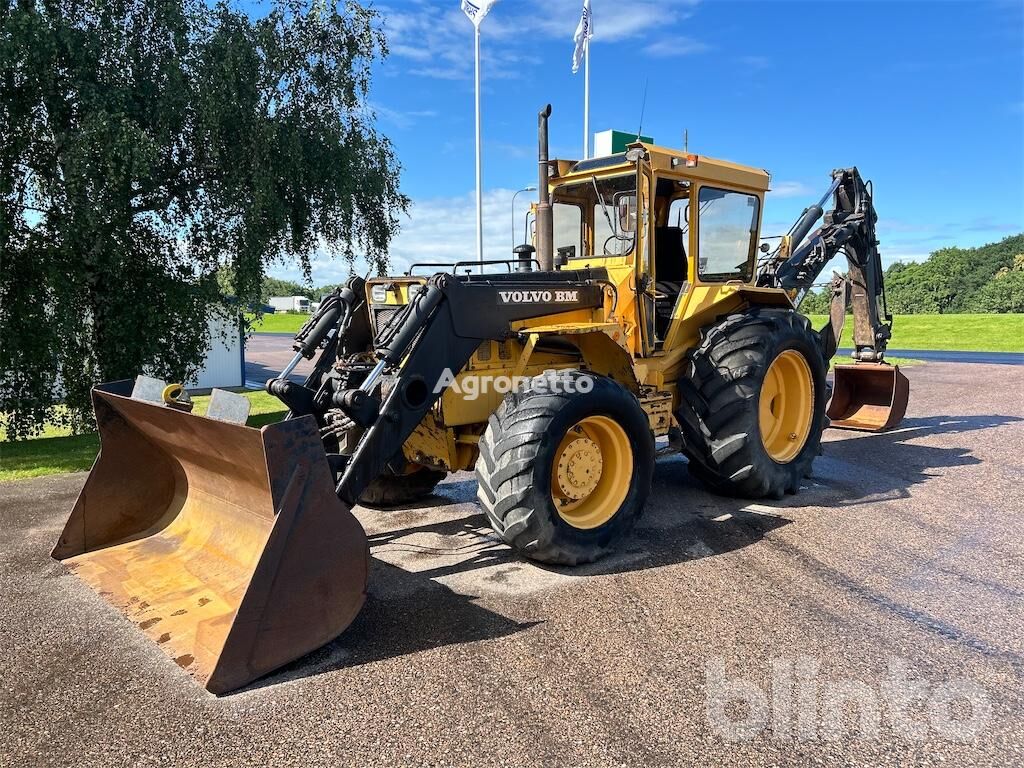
(635, 155)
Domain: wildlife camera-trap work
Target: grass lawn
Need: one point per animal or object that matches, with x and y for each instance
(967, 333)
(279, 322)
(56, 450)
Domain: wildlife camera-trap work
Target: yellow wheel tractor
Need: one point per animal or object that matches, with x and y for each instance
(646, 310)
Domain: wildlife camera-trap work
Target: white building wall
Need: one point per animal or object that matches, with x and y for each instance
(225, 361)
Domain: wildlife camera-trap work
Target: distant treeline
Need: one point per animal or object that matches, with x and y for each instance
(274, 287)
(987, 279)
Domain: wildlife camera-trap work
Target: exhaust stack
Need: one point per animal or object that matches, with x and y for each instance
(545, 223)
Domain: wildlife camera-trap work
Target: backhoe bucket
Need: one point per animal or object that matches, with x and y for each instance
(868, 396)
(225, 544)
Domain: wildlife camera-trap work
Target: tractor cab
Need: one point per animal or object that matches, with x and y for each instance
(667, 225)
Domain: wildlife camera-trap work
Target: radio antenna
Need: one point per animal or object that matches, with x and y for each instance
(686, 139)
(643, 105)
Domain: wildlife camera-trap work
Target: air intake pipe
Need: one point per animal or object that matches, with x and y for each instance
(545, 223)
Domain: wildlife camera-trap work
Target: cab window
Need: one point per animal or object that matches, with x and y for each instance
(604, 210)
(726, 234)
(568, 229)
(678, 213)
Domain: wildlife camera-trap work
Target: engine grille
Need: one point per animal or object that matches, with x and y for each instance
(380, 315)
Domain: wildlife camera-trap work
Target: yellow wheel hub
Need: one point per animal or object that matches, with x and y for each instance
(579, 468)
(591, 472)
(786, 406)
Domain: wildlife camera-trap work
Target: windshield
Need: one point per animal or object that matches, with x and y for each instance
(596, 217)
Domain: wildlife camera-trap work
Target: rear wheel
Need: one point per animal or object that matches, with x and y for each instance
(565, 468)
(752, 404)
(391, 490)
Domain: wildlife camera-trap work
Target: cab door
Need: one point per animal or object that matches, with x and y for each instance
(666, 255)
(644, 262)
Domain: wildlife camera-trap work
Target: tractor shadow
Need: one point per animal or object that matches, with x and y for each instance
(864, 468)
(435, 561)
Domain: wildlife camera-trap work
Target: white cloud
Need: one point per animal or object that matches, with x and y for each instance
(780, 189)
(441, 229)
(614, 21)
(676, 46)
(400, 119)
(436, 41)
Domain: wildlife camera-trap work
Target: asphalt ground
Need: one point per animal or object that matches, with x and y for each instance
(266, 355)
(875, 618)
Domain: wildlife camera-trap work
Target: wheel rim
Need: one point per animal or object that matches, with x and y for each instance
(786, 406)
(591, 472)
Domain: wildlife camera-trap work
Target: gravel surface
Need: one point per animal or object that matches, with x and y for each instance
(266, 355)
(875, 618)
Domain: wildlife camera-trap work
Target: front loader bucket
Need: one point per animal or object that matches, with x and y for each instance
(868, 396)
(225, 544)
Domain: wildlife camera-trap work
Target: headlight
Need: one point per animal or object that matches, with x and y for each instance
(379, 294)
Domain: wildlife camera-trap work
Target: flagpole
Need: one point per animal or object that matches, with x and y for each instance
(479, 175)
(586, 98)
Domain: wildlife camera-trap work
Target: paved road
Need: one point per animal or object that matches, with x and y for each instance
(896, 570)
(267, 354)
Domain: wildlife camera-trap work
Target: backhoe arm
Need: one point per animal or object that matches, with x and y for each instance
(849, 227)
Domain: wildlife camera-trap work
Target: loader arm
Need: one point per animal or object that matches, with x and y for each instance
(849, 228)
(439, 329)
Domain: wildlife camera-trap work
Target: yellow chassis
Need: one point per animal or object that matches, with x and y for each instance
(614, 340)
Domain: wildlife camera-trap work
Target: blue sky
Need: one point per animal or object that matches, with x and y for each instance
(927, 98)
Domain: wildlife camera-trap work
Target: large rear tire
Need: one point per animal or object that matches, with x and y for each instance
(391, 490)
(752, 404)
(563, 475)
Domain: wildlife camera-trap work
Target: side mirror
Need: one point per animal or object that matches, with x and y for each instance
(764, 247)
(626, 210)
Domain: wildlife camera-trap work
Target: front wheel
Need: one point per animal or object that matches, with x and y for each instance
(565, 467)
(752, 404)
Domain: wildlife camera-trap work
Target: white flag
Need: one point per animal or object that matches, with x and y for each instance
(477, 9)
(584, 31)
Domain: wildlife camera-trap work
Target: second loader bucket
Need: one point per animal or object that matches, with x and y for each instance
(225, 544)
(868, 396)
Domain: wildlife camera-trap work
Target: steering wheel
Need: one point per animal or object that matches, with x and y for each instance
(610, 238)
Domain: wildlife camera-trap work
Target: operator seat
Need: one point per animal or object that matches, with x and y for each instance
(669, 271)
